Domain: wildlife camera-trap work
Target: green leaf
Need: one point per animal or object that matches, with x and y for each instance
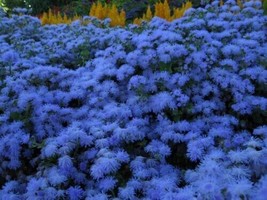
(265, 7)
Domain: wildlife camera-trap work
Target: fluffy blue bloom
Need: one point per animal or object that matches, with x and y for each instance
(167, 51)
(144, 173)
(107, 184)
(130, 133)
(11, 190)
(157, 148)
(36, 188)
(127, 193)
(261, 189)
(180, 79)
(249, 103)
(103, 166)
(240, 138)
(262, 130)
(220, 131)
(132, 57)
(137, 81)
(75, 193)
(10, 56)
(65, 163)
(97, 196)
(240, 172)
(238, 156)
(55, 177)
(231, 50)
(161, 101)
(124, 72)
(158, 187)
(238, 188)
(137, 163)
(122, 156)
(195, 151)
(255, 73)
(229, 63)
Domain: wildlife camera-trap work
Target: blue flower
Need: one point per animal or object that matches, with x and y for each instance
(231, 50)
(10, 56)
(262, 130)
(158, 148)
(55, 178)
(75, 193)
(127, 193)
(103, 166)
(124, 72)
(161, 101)
(65, 163)
(107, 184)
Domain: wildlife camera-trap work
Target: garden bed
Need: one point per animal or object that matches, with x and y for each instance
(165, 110)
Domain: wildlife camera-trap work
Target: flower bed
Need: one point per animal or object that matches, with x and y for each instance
(167, 110)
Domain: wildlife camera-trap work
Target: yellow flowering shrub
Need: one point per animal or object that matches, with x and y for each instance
(179, 12)
(102, 11)
(56, 18)
(118, 18)
(163, 10)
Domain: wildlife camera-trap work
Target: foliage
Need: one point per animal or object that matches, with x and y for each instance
(265, 7)
(78, 7)
(37, 6)
(40, 6)
(11, 4)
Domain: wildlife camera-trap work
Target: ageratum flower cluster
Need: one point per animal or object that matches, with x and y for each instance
(168, 110)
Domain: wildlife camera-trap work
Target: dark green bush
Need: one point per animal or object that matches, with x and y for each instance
(80, 8)
(10, 4)
(133, 8)
(265, 7)
(37, 6)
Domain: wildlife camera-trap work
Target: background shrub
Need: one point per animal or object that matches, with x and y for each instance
(133, 8)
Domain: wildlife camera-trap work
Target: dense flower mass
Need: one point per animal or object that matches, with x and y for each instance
(166, 110)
